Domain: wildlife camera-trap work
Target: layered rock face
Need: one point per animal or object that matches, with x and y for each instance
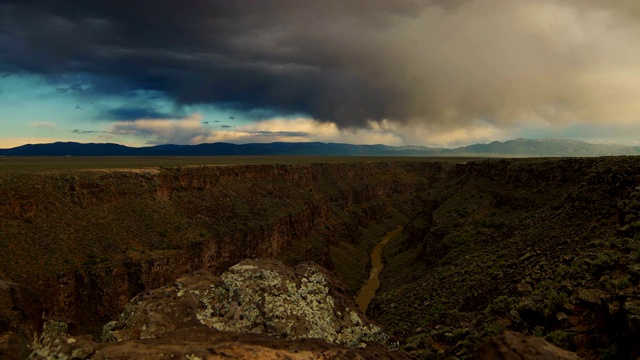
(304, 310)
(88, 241)
(20, 320)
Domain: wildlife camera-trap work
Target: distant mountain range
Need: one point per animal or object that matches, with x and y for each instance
(511, 148)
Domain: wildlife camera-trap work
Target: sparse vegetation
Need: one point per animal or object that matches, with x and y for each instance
(88, 225)
(432, 314)
(551, 250)
(545, 247)
(502, 305)
(562, 338)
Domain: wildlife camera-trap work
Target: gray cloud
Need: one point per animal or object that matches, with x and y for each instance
(281, 133)
(88, 132)
(439, 64)
(130, 113)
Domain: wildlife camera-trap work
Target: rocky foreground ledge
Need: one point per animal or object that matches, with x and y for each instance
(257, 309)
(254, 296)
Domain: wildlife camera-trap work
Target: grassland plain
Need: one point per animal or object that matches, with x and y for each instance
(17, 164)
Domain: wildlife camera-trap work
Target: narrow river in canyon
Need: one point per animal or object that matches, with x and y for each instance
(368, 291)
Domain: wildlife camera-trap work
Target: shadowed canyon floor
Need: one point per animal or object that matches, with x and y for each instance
(544, 247)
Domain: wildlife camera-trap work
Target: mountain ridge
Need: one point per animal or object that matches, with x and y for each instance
(511, 148)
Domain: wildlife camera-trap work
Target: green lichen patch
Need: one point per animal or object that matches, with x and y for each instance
(254, 296)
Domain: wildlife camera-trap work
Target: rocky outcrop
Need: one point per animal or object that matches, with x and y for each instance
(514, 346)
(205, 343)
(254, 296)
(256, 309)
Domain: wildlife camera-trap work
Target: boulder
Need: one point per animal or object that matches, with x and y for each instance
(254, 296)
(632, 306)
(515, 346)
(563, 320)
(590, 297)
(530, 311)
(524, 289)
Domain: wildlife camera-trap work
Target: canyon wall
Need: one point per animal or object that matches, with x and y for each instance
(545, 247)
(88, 241)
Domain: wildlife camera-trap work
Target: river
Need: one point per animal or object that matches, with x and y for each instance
(368, 291)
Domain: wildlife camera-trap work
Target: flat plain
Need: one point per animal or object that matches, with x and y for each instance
(69, 163)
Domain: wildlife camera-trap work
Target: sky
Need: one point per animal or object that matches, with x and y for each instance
(440, 73)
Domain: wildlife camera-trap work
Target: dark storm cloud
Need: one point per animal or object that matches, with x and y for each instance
(239, 54)
(437, 62)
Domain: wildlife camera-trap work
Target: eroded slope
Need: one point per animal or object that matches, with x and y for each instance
(547, 247)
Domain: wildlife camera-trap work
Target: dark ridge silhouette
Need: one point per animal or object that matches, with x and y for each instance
(223, 149)
(511, 148)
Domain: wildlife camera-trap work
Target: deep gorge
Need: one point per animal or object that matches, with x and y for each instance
(88, 241)
(548, 248)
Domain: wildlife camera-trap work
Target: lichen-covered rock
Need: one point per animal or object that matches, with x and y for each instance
(63, 348)
(254, 296)
(52, 329)
(206, 343)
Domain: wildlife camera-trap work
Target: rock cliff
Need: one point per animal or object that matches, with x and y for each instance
(304, 310)
(20, 320)
(88, 241)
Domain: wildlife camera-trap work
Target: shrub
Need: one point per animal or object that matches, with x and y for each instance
(495, 329)
(555, 301)
(501, 305)
(562, 338)
(432, 314)
(498, 267)
(622, 283)
(538, 331)
(462, 213)
(604, 261)
(609, 353)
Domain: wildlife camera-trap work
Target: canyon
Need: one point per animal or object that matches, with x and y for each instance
(544, 247)
(88, 241)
